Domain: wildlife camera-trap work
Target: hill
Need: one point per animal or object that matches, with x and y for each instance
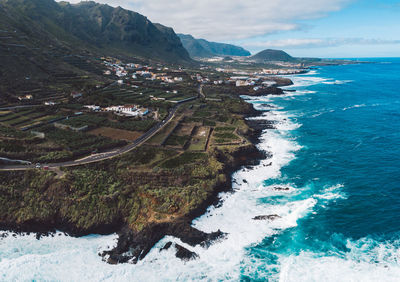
(45, 43)
(201, 48)
(270, 55)
(94, 26)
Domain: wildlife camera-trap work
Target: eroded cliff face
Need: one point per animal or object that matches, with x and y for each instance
(134, 245)
(134, 204)
(136, 195)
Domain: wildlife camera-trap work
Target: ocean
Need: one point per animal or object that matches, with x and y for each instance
(332, 186)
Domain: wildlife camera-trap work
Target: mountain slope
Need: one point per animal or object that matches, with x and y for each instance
(44, 43)
(195, 49)
(202, 48)
(270, 55)
(95, 26)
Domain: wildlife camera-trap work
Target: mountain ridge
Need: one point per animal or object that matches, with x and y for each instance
(201, 48)
(97, 26)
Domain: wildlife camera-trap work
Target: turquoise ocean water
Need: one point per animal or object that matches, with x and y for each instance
(333, 183)
(348, 167)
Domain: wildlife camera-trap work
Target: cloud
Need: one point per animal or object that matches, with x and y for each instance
(296, 43)
(230, 19)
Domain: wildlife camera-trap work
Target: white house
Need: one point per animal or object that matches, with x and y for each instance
(128, 110)
(93, 107)
(240, 83)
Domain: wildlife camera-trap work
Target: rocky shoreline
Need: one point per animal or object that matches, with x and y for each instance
(133, 245)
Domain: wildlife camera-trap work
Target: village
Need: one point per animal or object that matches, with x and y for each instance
(174, 107)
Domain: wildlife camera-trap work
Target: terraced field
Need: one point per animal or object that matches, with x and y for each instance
(27, 119)
(225, 135)
(199, 139)
(116, 134)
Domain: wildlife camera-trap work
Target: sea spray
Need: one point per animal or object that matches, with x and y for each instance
(330, 181)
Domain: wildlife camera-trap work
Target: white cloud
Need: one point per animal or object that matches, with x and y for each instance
(230, 19)
(317, 42)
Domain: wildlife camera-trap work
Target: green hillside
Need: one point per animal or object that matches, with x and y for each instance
(201, 48)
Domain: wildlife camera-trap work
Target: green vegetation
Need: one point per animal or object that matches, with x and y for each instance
(176, 140)
(225, 129)
(162, 134)
(165, 179)
(79, 143)
(183, 159)
(91, 121)
(133, 125)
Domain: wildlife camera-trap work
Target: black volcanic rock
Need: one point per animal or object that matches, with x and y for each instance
(272, 90)
(276, 188)
(267, 217)
(166, 246)
(133, 246)
(184, 254)
(181, 252)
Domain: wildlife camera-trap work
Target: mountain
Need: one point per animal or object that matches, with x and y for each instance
(272, 55)
(92, 26)
(48, 48)
(193, 46)
(200, 48)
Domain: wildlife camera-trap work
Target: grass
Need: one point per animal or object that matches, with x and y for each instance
(224, 129)
(184, 129)
(160, 136)
(89, 120)
(184, 159)
(198, 142)
(225, 137)
(12, 133)
(207, 122)
(132, 125)
(116, 134)
(177, 140)
(79, 143)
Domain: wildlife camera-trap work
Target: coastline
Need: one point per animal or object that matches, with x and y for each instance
(133, 246)
(146, 239)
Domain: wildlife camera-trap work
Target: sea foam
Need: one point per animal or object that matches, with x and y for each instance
(366, 260)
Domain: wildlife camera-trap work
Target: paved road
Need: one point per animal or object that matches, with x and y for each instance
(108, 154)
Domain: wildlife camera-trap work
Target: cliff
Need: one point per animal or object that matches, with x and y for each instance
(201, 48)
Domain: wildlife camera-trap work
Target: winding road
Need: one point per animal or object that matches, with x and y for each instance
(107, 154)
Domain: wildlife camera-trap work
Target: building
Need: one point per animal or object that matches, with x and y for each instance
(93, 107)
(121, 73)
(145, 74)
(240, 83)
(25, 97)
(76, 95)
(128, 110)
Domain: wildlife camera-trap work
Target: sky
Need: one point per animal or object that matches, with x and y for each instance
(303, 28)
